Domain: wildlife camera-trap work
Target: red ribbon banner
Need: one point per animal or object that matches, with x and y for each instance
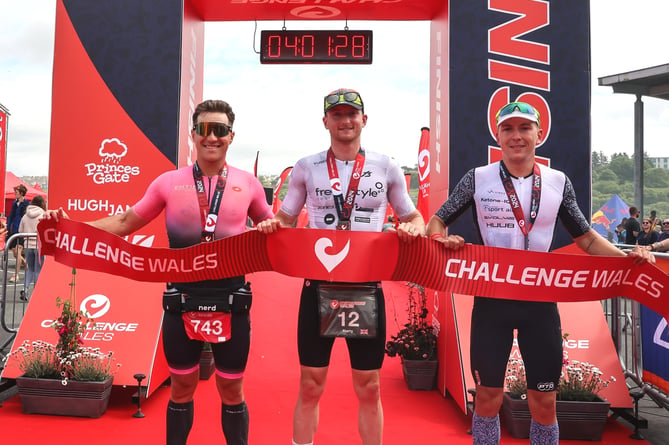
(335, 255)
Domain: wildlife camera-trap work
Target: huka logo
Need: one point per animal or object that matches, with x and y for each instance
(110, 170)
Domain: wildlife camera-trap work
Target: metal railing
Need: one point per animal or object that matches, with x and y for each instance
(12, 305)
(624, 319)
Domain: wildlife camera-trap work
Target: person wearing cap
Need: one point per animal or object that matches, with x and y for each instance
(544, 195)
(333, 185)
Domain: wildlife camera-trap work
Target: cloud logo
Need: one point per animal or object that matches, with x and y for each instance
(112, 150)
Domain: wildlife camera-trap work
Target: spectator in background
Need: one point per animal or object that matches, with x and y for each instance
(19, 207)
(648, 234)
(390, 224)
(34, 260)
(632, 228)
(665, 230)
(620, 231)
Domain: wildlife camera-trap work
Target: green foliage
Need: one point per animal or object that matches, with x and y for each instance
(68, 359)
(417, 340)
(616, 175)
(579, 381)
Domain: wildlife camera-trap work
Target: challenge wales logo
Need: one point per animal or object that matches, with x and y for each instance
(110, 169)
(95, 305)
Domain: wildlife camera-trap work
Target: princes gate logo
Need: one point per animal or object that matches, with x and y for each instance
(110, 170)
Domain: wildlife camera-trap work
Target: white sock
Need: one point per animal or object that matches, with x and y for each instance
(295, 443)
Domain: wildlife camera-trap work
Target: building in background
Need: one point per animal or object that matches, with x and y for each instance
(660, 162)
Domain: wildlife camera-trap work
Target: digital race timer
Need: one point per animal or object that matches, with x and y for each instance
(316, 47)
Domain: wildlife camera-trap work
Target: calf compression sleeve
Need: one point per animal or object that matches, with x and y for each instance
(179, 422)
(235, 422)
(485, 430)
(544, 434)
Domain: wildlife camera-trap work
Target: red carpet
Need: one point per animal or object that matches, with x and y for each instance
(411, 417)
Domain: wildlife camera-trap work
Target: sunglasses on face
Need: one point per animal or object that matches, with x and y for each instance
(520, 106)
(665, 223)
(204, 129)
(345, 98)
(646, 222)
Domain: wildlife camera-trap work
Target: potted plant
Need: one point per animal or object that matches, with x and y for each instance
(581, 412)
(416, 343)
(67, 378)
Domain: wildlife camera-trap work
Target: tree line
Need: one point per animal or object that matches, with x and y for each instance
(615, 174)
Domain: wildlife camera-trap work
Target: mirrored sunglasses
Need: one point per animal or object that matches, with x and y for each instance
(520, 106)
(205, 128)
(350, 98)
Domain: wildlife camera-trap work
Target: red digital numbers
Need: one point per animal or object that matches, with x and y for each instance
(316, 47)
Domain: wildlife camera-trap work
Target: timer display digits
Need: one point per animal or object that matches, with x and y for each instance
(316, 47)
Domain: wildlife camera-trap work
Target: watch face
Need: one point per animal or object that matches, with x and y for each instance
(316, 47)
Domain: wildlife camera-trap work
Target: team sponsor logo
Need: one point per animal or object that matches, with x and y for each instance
(110, 169)
(329, 219)
(334, 304)
(545, 386)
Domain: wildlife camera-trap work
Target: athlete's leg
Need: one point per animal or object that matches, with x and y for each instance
(231, 358)
(305, 416)
(314, 353)
(182, 356)
(370, 412)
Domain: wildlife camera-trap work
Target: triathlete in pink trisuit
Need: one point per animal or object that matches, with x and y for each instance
(207, 201)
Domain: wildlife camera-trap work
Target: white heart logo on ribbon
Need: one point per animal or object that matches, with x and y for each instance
(327, 260)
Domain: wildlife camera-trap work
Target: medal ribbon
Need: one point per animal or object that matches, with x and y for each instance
(209, 213)
(514, 201)
(345, 206)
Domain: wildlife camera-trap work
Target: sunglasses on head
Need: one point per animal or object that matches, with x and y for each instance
(205, 128)
(520, 106)
(342, 98)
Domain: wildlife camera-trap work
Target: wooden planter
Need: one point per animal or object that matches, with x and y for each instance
(207, 367)
(420, 374)
(50, 396)
(577, 420)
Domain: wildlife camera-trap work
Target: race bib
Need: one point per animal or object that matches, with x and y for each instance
(212, 327)
(348, 310)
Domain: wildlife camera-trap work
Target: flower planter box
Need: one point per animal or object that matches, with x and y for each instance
(50, 396)
(420, 374)
(577, 420)
(207, 366)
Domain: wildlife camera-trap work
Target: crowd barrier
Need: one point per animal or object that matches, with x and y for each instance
(12, 306)
(633, 336)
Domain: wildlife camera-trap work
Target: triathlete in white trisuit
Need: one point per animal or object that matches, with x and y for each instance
(516, 205)
(344, 188)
